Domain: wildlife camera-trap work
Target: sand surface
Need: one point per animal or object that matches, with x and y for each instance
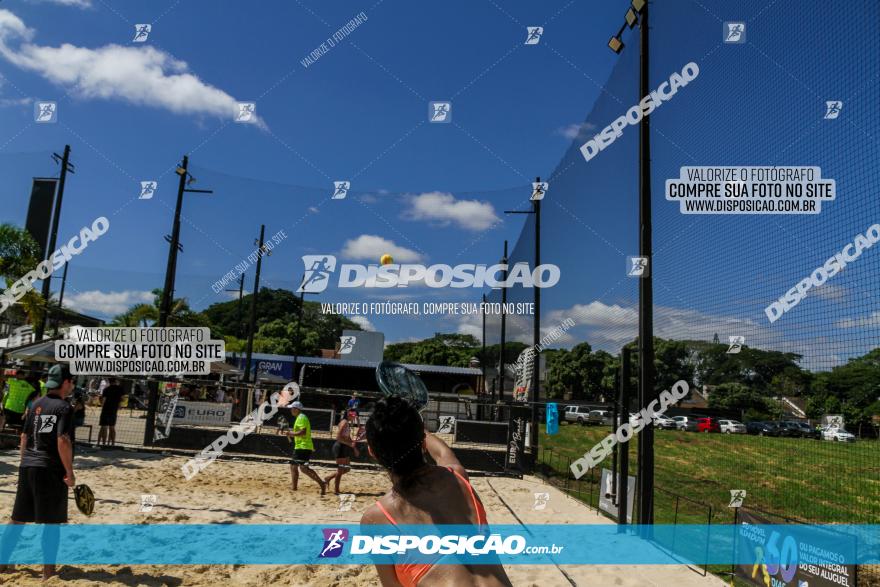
(256, 492)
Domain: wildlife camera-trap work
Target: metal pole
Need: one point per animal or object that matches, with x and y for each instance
(623, 447)
(536, 334)
(171, 267)
(483, 354)
(646, 319)
(503, 325)
(252, 326)
(299, 319)
(53, 238)
(57, 320)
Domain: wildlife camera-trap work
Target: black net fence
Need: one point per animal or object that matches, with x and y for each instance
(771, 318)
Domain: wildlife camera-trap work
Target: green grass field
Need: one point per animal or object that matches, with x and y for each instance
(809, 480)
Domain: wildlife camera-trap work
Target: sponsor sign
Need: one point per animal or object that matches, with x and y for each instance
(786, 560)
(607, 498)
(209, 413)
(516, 439)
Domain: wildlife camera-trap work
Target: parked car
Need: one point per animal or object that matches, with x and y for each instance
(732, 427)
(799, 429)
(577, 414)
(686, 423)
(762, 428)
(838, 434)
(599, 417)
(665, 423)
(788, 429)
(708, 424)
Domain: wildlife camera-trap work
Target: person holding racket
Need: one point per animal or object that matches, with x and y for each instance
(302, 448)
(421, 493)
(343, 449)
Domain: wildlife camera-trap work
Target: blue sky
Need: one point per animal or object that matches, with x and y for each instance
(436, 192)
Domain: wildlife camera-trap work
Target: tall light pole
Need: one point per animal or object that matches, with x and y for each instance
(66, 166)
(299, 319)
(252, 325)
(174, 243)
(503, 325)
(174, 247)
(240, 291)
(638, 13)
(537, 195)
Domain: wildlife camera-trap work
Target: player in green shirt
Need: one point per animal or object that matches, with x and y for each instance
(302, 447)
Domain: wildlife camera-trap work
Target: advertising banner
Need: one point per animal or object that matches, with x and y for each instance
(206, 413)
(782, 560)
(516, 439)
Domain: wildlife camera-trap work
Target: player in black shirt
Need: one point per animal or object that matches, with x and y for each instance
(46, 470)
(112, 397)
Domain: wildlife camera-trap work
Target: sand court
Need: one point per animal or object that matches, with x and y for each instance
(255, 492)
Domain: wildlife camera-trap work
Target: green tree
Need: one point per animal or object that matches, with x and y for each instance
(19, 254)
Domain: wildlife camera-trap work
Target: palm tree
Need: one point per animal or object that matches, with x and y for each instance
(20, 253)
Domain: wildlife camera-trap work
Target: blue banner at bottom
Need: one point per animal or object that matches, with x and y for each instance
(779, 546)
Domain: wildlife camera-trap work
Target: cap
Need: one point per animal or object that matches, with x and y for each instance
(58, 374)
(296, 405)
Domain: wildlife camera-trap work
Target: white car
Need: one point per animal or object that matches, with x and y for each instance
(838, 434)
(732, 427)
(665, 423)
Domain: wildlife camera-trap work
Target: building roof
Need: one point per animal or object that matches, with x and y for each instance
(362, 364)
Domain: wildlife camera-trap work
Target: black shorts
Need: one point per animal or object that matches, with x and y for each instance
(301, 456)
(341, 451)
(13, 419)
(107, 418)
(41, 496)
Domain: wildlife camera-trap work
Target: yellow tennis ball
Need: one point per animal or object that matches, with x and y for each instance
(386, 259)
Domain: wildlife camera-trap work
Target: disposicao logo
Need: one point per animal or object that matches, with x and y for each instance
(334, 541)
(318, 269)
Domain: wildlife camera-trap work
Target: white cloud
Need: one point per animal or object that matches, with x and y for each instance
(829, 291)
(370, 247)
(106, 303)
(10, 102)
(74, 3)
(445, 209)
(144, 75)
(363, 322)
(872, 321)
(575, 131)
(313, 209)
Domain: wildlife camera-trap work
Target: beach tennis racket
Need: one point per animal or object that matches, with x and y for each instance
(84, 499)
(395, 379)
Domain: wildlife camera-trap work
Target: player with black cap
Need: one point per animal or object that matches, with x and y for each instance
(46, 469)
